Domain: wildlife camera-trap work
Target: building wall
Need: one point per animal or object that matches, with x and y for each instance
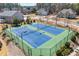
(6, 18)
(9, 19)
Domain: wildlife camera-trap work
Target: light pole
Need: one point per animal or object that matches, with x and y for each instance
(11, 32)
(67, 15)
(56, 22)
(68, 32)
(38, 24)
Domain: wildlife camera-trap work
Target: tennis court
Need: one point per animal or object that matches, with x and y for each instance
(33, 37)
(51, 29)
(39, 39)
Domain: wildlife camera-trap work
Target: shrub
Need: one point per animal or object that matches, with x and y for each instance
(14, 25)
(59, 53)
(63, 48)
(67, 44)
(24, 22)
(66, 52)
(73, 39)
(4, 34)
(28, 20)
(77, 34)
(71, 49)
(5, 27)
(0, 45)
(34, 21)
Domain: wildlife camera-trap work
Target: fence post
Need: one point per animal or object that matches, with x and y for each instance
(31, 52)
(50, 51)
(40, 52)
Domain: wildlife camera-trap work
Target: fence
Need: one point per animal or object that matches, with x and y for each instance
(28, 50)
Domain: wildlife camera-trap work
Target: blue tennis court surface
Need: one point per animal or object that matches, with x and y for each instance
(50, 29)
(33, 37)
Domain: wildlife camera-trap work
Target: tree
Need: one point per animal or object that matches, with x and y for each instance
(9, 5)
(34, 10)
(76, 7)
(16, 22)
(28, 20)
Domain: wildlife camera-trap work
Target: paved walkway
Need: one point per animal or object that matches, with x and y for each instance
(4, 50)
(13, 50)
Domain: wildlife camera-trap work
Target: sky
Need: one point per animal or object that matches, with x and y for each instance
(27, 4)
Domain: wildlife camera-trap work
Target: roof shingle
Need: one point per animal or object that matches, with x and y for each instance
(8, 13)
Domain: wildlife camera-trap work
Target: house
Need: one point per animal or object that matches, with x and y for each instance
(1, 21)
(67, 13)
(10, 15)
(42, 12)
(5, 9)
(25, 11)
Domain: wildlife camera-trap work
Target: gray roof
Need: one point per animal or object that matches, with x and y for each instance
(7, 13)
(68, 11)
(42, 11)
